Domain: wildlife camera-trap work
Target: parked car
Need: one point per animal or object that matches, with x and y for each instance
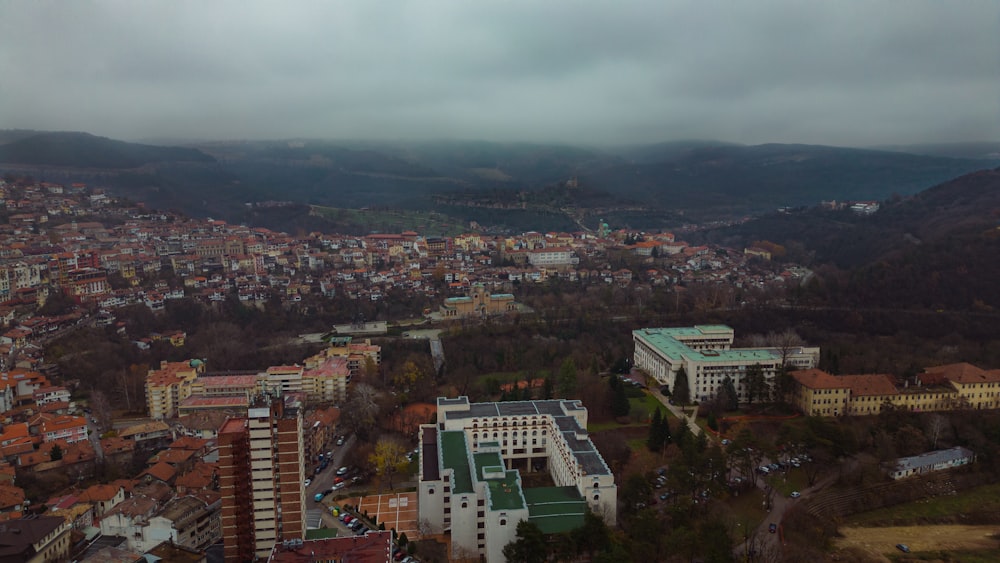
(772, 528)
(903, 547)
(795, 494)
(308, 482)
(342, 471)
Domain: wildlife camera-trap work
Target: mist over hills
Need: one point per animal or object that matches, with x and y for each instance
(514, 185)
(936, 249)
(83, 150)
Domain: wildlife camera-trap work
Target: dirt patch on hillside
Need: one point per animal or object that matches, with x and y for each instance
(920, 538)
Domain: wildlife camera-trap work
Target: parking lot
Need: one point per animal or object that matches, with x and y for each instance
(396, 510)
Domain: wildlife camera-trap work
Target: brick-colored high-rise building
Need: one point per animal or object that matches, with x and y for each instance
(260, 478)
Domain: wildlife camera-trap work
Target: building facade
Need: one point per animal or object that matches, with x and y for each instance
(261, 474)
(168, 386)
(470, 472)
(706, 354)
(938, 388)
(478, 303)
(931, 461)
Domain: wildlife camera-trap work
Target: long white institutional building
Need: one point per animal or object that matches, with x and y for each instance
(470, 472)
(707, 356)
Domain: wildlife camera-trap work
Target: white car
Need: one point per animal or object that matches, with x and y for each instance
(795, 494)
(308, 482)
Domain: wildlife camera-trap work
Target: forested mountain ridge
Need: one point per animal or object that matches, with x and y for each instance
(936, 249)
(521, 186)
(83, 150)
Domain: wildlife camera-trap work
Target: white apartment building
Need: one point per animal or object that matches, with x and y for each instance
(551, 256)
(470, 472)
(707, 356)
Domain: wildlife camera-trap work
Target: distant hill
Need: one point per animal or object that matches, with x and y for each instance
(518, 186)
(83, 150)
(987, 150)
(754, 179)
(936, 249)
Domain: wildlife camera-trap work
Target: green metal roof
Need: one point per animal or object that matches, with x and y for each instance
(555, 509)
(455, 456)
(505, 492)
(663, 341)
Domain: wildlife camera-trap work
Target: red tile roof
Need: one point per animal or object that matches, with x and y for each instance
(373, 547)
(818, 379)
(162, 471)
(871, 385)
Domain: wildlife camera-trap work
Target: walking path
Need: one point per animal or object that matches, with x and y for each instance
(678, 412)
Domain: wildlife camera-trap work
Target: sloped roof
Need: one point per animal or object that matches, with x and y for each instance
(99, 493)
(870, 385)
(818, 379)
(954, 371)
(162, 471)
(145, 428)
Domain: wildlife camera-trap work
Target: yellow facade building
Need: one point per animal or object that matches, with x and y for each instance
(938, 388)
(168, 386)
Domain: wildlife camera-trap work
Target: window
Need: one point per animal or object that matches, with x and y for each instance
(503, 521)
(430, 491)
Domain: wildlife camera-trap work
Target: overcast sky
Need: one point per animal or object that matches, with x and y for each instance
(842, 72)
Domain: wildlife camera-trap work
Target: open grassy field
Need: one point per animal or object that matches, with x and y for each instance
(983, 500)
(920, 539)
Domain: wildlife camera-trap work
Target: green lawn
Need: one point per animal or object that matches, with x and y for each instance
(646, 405)
(979, 500)
(744, 512)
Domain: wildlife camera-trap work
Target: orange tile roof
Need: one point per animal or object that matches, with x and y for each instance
(99, 493)
(872, 384)
(14, 431)
(818, 379)
(10, 496)
(173, 457)
(188, 443)
(962, 372)
(114, 444)
(64, 422)
(162, 471)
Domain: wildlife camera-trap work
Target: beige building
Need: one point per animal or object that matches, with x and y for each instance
(168, 386)
(478, 303)
(706, 354)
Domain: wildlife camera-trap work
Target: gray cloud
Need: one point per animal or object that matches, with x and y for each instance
(849, 72)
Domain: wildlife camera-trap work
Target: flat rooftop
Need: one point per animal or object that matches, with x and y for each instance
(455, 456)
(510, 408)
(665, 343)
(555, 509)
(505, 491)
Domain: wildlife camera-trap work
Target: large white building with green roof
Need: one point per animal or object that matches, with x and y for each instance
(470, 472)
(707, 356)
